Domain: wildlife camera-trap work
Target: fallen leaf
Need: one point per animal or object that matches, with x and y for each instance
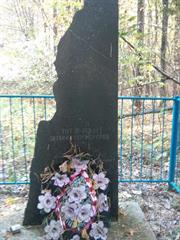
(121, 212)
(7, 235)
(9, 201)
(130, 232)
(136, 192)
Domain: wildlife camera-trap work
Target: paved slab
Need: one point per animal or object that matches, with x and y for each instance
(131, 224)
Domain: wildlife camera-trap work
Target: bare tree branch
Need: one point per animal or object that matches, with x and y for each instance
(144, 113)
(158, 69)
(142, 85)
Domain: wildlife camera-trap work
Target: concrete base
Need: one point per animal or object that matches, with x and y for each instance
(131, 225)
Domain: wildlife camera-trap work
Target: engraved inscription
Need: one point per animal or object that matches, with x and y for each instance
(80, 134)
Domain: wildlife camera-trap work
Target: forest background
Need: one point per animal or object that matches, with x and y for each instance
(149, 45)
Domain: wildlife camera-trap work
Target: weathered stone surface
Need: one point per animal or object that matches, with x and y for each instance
(86, 98)
(176, 202)
(131, 225)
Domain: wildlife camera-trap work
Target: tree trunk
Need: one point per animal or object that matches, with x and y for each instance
(156, 27)
(140, 19)
(55, 30)
(164, 41)
(149, 21)
(140, 30)
(177, 45)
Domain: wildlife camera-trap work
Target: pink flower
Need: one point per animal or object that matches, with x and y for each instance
(77, 194)
(79, 165)
(103, 203)
(69, 210)
(85, 213)
(98, 231)
(60, 180)
(47, 202)
(54, 230)
(101, 181)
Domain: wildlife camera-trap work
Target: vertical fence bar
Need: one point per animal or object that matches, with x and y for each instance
(142, 141)
(172, 163)
(34, 117)
(162, 140)
(121, 139)
(177, 168)
(132, 128)
(24, 139)
(12, 138)
(2, 150)
(152, 139)
(45, 109)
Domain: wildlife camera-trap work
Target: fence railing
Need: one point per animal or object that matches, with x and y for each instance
(148, 152)
(19, 118)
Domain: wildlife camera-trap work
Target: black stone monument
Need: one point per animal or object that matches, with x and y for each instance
(86, 98)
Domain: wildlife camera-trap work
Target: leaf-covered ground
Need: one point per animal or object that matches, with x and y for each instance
(160, 206)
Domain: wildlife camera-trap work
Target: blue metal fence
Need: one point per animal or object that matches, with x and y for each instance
(149, 137)
(19, 117)
(174, 171)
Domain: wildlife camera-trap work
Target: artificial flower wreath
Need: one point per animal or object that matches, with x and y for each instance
(74, 199)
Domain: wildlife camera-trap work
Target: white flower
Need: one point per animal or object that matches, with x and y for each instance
(69, 210)
(77, 194)
(103, 203)
(76, 237)
(98, 231)
(101, 180)
(47, 202)
(79, 165)
(54, 230)
(60, 180)
(85, 213)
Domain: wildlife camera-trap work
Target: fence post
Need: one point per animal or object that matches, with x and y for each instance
(172, 163)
